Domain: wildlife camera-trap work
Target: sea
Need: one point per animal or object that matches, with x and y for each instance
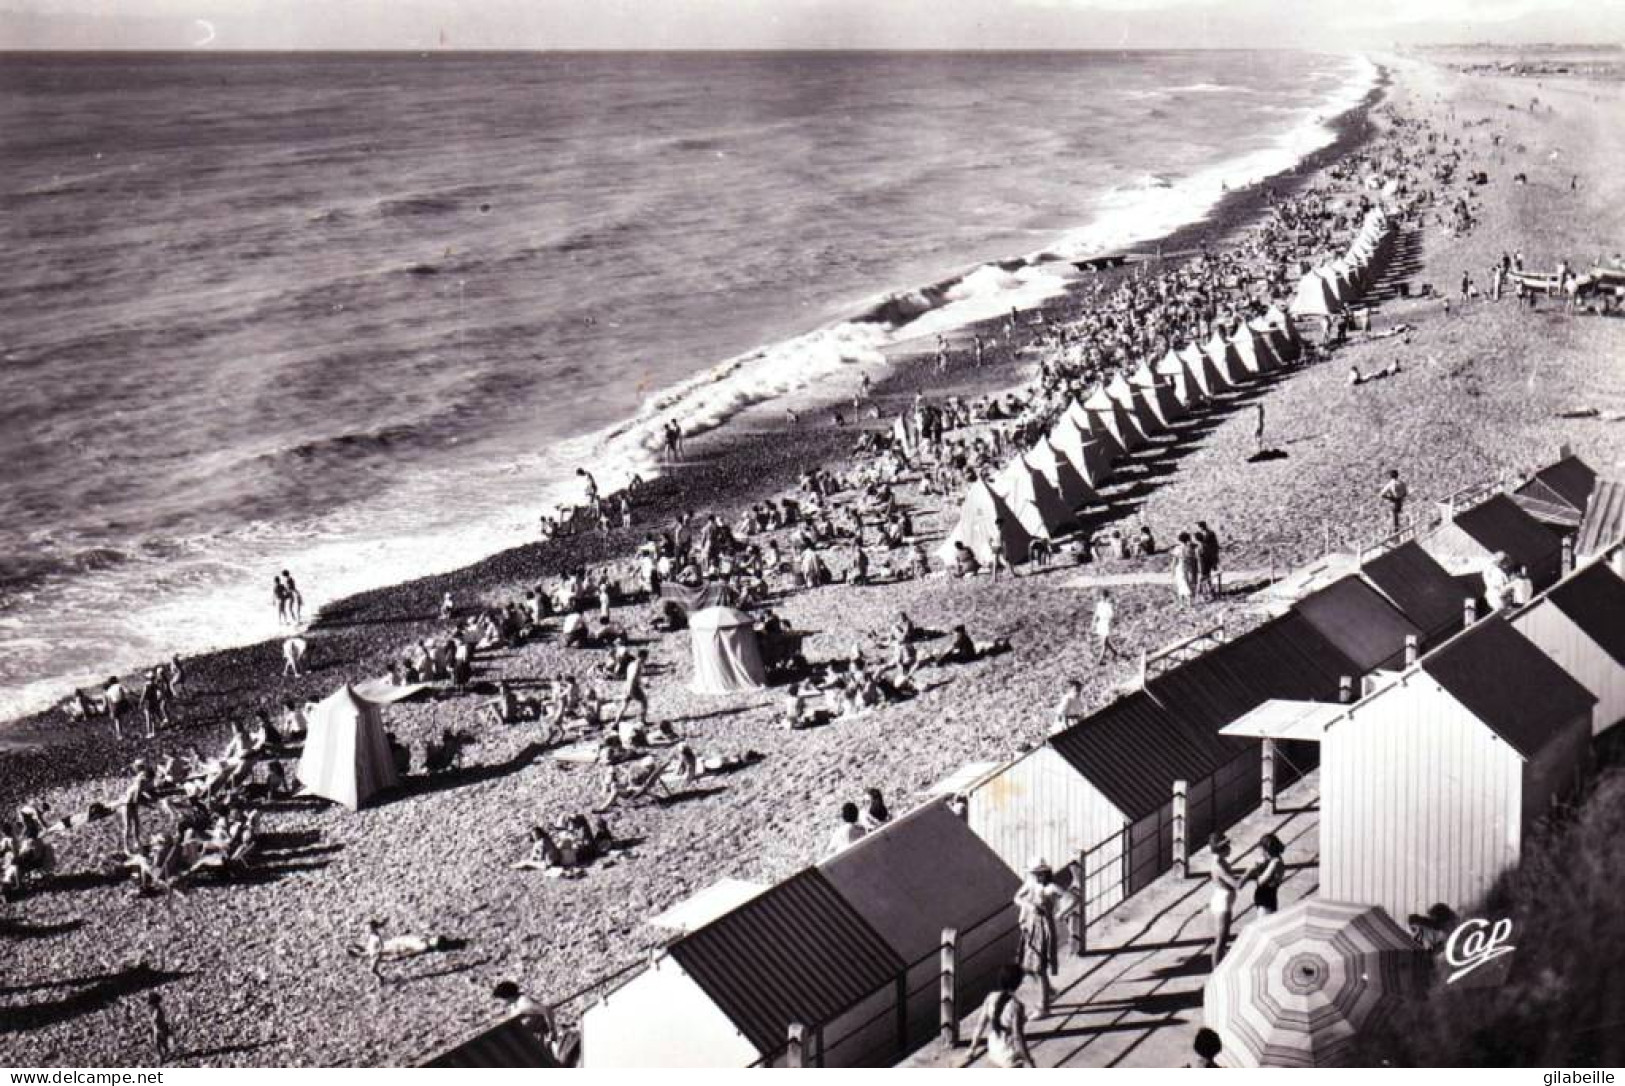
(360, 316)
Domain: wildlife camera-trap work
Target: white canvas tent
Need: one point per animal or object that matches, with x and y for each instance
(346, 757)
(1226, 359)
(1291, 344)
(1092, 459)
(985, 522)
(1145, 419)
(1158, 393)
(1073, 489)
(1253, 350)
(726, 658)
(1173, 368)
(1202, 370)
(1109, 415)
(1033, 501)
(1315, 297)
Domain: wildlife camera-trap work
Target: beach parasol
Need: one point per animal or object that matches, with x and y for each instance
(1299, 986)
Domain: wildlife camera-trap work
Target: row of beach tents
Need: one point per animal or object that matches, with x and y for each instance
(1330, 288)
(1038, 493)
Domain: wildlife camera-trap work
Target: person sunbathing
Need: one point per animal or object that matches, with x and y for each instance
(376, 948)
(964, 650)
(544, 854)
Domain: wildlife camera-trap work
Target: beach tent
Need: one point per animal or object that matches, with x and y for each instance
(726, 658)
(1072, 488)
(1277, 319)
(1315, 297)
(1226, 359)
(1110, 415)
(985, 522)
(1144, 415)
(1202, 371)
(1173, 369)
(1253, 350)
(1158, 394)
(906, 433)
(1090, 423)
(1279, 343)
(346, 757)
(1089, 456)
(1036, 505)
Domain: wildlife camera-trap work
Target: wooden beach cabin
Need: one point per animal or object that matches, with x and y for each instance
(726, 994)
(1362, 625)
(1580, 623)
(1429, 784)
(912, 879)
(1557, 494)
(1421, 589)
(1105, 786)
(1472, 538)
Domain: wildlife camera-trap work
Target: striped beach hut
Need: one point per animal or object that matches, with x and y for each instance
(1580, 623)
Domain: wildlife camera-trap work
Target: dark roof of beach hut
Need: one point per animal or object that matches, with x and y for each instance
(1420, 587)
(1594, 600)
(1362, 625)
(797, 953)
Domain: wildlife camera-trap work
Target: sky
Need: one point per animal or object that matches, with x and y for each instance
(796, 24)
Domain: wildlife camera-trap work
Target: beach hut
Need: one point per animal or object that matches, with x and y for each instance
(1421, 589)
(1428, 786)
(1187, 391)
(909, 881)
(1203, 371)
(1362, 625)
(1105, 785)
(1557, 495)
(1033, 501)
(726, 994)
(1473, 537)
(1227, 360)
(1602, 528)
(509, 1043)
(1089, 456)
(346, 757)
(1580, 623)
(1110, 416)
(985, 524)
(726, 656)
(1314, 297)
(1253, 350)
(1074, 490)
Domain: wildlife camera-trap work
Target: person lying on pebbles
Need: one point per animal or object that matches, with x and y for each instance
(375, 948)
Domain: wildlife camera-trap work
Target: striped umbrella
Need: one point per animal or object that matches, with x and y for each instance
(1300, 985)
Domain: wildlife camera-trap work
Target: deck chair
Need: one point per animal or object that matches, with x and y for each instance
(653, 786)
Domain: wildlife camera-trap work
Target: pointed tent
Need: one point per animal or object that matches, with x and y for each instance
(1145, 419)
(985, 522)
(726, 656)
(1226, 360)
(1186, 390)
(1111, 416)
(1091, 459)
(1036, 505)
(1093, 427)
(1286, 340)
(1073, 489)
(1202, 371)
(346, 757)
(1315, 297)
(1338, 283)
(906, 433)
(1253, 350)
(1157, 395)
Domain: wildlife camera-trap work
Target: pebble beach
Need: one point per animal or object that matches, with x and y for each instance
(256, 972)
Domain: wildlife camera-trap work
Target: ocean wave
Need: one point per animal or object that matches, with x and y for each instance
(1210, 88)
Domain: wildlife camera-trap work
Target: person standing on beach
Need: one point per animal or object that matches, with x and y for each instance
(140, 791)
(1037, 903)
(279, 596)
(1104, 619)
(293, 656)
(117, 701)
(634, 690)
(1225, 881)
(1258, 429)
(1394, 492)
(296, 602)
(1184, 568)
(1207, 559)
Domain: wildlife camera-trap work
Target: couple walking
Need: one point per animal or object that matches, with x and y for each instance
(1196, 563)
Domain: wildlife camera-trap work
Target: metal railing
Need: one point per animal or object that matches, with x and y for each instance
(1155, 663)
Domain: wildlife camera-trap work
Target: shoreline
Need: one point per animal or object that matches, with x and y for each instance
(623, 444)
(722, 474)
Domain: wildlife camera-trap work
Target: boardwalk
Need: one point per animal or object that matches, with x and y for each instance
(1134, 999)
